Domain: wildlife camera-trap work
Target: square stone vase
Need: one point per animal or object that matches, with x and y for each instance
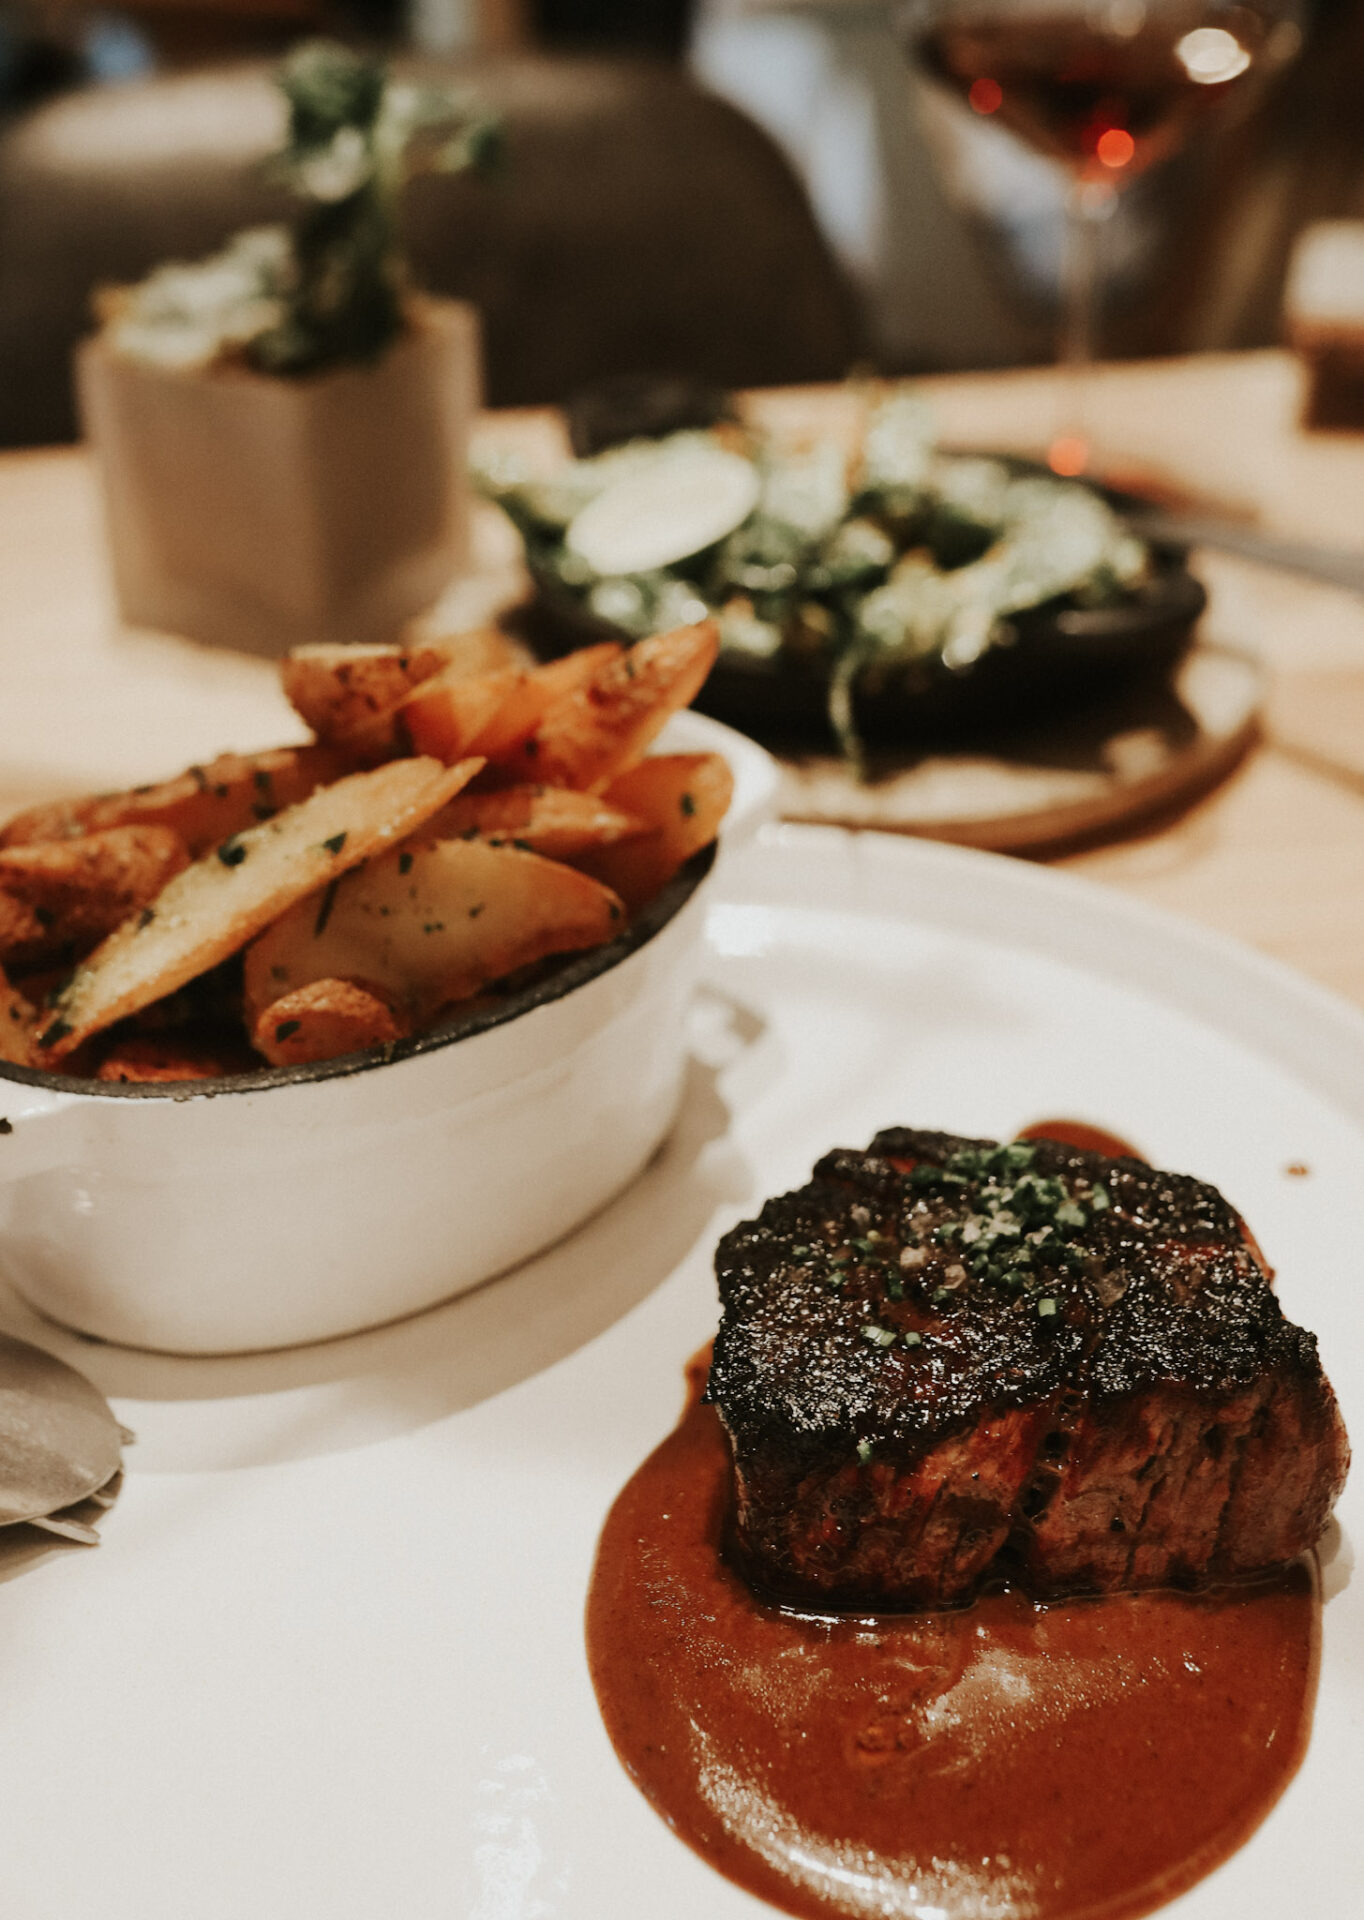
(258, 513)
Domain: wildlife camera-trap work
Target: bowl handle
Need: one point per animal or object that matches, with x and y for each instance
(32, 1137)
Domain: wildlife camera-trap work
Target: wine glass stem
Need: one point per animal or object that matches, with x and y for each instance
(1087, 206)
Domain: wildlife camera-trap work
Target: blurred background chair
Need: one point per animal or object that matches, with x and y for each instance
(641, 225)
(739, 191)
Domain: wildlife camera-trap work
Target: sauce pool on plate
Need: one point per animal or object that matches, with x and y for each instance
(1081, 1760)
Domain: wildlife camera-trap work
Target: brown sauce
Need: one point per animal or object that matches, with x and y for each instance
(1079, 1133)
(1084, 1760)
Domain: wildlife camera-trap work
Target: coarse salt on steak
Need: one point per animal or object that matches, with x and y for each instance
(946, 1361)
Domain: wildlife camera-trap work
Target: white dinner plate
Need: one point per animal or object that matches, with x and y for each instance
(329, 1659)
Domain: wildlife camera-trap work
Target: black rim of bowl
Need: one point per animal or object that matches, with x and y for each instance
(575, 972)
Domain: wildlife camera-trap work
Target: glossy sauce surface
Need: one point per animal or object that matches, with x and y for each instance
(1087, 1759)
(1080, 1133)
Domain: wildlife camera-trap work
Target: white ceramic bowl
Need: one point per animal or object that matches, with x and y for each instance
(295, 1204)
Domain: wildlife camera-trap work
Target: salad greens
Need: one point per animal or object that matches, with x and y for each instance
(906, 561)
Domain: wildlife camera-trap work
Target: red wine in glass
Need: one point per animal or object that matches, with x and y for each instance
(1107, 90)
(1104, 103)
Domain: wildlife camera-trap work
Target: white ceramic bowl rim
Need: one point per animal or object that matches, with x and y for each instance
(576, 972)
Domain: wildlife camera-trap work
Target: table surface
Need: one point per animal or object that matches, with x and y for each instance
(1274, 856)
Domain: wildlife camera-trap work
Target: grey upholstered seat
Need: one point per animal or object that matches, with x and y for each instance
(641, 226)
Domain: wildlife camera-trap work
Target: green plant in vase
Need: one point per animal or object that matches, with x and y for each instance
(282, 429)
(332, 287)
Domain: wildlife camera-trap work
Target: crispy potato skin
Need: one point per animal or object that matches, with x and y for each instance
(18, 1026)
(363, 886)
(59, 898)
(147, 1060)
(598, 728)
(325, 1019)
(681, 798)
(494, 713)
(430, 924)
(220, 902)
(204, 805)
(554, 821)
(350, 695)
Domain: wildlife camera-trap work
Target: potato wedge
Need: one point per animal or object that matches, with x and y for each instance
(554, 821)
(18, 1026)
(203, 805)
(494, 713)
(596, 730)
(442, 717)
(471, 649)
(59, 898)
(217, 905)
(323, 1020)
(431, 923)
(145, 1060)
(349, 695)
(682, 798)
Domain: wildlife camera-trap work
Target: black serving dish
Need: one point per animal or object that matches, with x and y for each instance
(1062, 655)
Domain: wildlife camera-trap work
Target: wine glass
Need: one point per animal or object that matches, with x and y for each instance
(1107, 88)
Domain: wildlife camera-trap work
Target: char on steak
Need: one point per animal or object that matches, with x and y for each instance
(945, 1362)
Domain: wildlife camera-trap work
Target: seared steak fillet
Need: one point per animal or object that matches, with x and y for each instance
(945, 1360)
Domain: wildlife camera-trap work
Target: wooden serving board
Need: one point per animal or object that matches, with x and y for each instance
(1083, 775)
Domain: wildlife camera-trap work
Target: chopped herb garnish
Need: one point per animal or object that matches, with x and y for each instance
(688, 806)
(1048, 1309)
(45, 916)
(879, 1336)
(287, 1028)
(232, 852)
(335, 844)
(475, 910)
(912, 1339)
(200, 778)
(260, 779)
(324, 910)
(404, 863)
(57, 1031)
(1099, 1198)
(864, 1451)
(145, 918)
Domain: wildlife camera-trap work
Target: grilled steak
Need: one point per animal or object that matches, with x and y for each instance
(946, 1360)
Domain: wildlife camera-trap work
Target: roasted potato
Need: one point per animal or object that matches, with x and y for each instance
(554, 821)
(149, 1059)
(58, 898)
(324, 1019)
(350, 695)
(494, 713)
(204, 805)
(681, 798)
(597, 729)
(215, 906)
(18, 1026)
(431, 923)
